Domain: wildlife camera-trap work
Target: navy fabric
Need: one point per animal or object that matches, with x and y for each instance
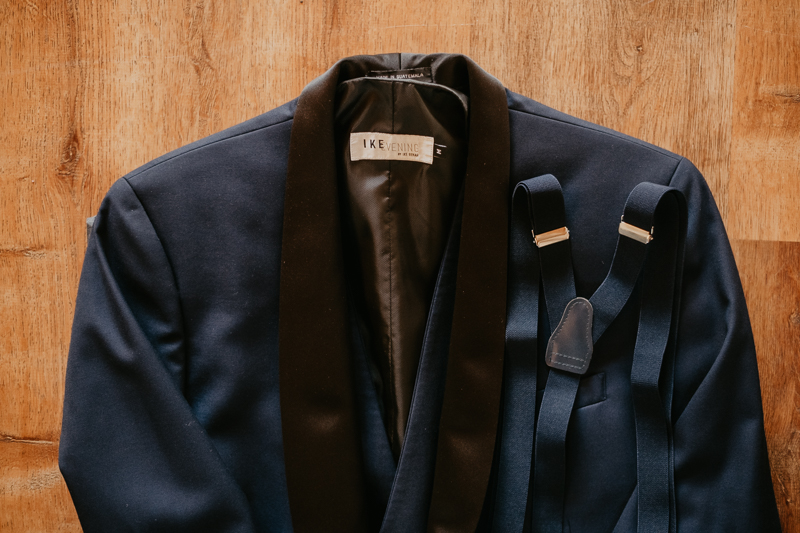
(547, 213)
(172, 416)
(172, 408)
(379, 464)
(550, 463)
(661, 281)
(651, 206)
(519, 378)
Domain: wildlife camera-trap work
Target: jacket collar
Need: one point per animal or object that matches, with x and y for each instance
(320, 432)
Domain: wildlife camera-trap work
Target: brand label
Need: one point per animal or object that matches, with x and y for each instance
(391, 146)
(419, 74)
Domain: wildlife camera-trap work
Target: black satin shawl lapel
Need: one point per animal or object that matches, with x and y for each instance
(324, 471)
(475, 365)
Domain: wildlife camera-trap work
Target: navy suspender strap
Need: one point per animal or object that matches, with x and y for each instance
(540, 199)
(519, 379)
(559, 289)
(536, 202)
(664, 210)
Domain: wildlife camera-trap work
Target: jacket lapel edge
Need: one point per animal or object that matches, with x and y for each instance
(471, 405)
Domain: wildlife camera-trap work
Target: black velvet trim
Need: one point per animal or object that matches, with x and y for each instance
(469, 419)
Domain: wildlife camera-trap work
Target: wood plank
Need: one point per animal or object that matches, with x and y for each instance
(770, 273)
(33, 497)
(765, 166)
(764, 199)
(659, 71)
(41, 181)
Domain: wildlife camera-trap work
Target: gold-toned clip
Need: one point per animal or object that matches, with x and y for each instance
(635, 233)
(550, 237)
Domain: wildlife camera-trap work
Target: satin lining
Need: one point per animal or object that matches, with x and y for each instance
(396, 216)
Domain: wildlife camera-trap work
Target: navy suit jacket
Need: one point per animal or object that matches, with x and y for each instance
(216, 380)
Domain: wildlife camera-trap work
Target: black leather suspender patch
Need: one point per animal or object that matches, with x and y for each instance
(570, 346)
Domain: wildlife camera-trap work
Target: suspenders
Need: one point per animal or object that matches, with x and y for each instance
(532, 455)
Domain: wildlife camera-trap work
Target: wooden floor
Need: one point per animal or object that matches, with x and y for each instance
(90, 90)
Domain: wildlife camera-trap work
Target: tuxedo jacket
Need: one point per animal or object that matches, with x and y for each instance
(300, 323)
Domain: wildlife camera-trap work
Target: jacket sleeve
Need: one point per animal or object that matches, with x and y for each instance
(133, 455)
(722, 474)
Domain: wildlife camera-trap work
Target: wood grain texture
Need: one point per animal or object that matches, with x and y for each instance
(765, 162)
(90, 90)
(764, 222)
(770, 273)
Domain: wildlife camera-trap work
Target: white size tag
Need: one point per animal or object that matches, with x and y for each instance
(391, 146)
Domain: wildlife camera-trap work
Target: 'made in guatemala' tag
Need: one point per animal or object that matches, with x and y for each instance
(417, 74)
(570, 346)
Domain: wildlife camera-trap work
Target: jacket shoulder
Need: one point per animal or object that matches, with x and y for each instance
(525, 105)
(185, 155)
(207, 191)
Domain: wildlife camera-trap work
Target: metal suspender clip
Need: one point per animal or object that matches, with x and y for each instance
(550, 237)
(635, 233)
